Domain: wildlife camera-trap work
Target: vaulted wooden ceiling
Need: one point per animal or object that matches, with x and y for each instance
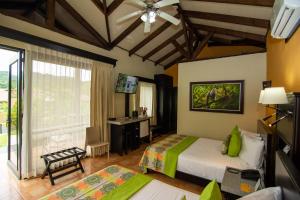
(228, 22)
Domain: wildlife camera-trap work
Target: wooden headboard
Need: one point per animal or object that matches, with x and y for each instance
(268, 136)
(287, 176)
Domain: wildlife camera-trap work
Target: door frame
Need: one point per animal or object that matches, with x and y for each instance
(21, 62)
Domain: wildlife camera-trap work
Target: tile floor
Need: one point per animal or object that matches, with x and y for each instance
(13, 189)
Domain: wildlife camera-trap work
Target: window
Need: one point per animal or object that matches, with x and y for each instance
(146, 96)
(60, 104)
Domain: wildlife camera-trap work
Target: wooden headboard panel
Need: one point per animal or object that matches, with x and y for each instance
(287, 176)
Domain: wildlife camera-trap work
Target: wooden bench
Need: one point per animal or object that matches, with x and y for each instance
(61, 160)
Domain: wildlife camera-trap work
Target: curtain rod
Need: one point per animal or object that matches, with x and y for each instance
(28, 38)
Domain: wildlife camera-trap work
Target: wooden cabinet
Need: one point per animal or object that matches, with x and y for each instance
(296, 130)
(269, 152)
(164, 86)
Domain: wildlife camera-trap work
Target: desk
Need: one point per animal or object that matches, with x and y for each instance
(125, 133)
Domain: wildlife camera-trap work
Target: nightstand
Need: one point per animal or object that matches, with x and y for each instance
(232, 184)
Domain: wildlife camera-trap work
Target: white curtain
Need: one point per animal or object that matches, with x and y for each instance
(56, 105)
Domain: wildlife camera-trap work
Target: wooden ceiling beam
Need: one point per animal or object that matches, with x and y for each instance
(231, 32)
(99, 5)
(150, 37)
(186, 35)
(12, 5)
(113, 6)
(127, 31)
(106, 21)
(57, 23)
(54, 29)
(202, 44)
(188, 22)
(31, 10)
(161, 59)
(173, 62)
(162, 45)
(265, 3)
(83, 22)
(243, 42)
(50, 18)
(227, 18)
(180, 49)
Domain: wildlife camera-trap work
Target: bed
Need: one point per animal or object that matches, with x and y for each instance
(209, 164)
(201, 157)
(116, 182)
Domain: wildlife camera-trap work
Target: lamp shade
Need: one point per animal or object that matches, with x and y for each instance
(261, 96)
(274, 95)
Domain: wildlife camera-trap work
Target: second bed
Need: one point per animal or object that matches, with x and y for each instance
(201, 158)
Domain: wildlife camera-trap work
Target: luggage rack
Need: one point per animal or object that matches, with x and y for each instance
(61, 160)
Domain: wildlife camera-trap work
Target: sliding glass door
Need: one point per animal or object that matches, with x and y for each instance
(14, 118)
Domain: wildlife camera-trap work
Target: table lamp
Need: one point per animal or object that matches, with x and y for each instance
(273, 96)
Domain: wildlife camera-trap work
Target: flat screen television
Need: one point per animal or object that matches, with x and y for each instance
(126, 84)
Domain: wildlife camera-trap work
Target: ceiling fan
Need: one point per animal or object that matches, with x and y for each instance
(150, 11)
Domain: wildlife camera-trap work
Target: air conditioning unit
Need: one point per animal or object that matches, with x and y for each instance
(285, 19)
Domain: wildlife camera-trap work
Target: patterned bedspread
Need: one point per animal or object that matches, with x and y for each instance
(162, 156)
(113, 182)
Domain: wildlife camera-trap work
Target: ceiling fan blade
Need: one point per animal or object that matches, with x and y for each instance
(126, 17)
(147, 26)
(138, 2)
(164, 3)
(169, 18)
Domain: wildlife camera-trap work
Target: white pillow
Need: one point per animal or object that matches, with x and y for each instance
(252, 151)
(271, 193)
(251, 134)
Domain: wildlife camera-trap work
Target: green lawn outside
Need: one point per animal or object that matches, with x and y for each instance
(3, 140)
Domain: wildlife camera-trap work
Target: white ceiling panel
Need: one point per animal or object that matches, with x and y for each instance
(228, 9)
(237, 27)
(138, 34)
(71, 24)
(91, 14)
(162, 52)
(169, 32)
(170, 59)
(181, 39)
(122, 10)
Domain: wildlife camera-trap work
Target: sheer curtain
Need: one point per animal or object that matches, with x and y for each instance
(56, 105)
(146, 97)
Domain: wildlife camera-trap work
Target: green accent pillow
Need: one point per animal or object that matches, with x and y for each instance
(235, 144)
(211, 192)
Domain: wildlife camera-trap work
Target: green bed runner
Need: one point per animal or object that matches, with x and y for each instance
(163, 155)
(129, 188)
(113, 182)
(173, 153)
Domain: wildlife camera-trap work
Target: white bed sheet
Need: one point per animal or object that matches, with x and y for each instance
(204, 159)
(157, 190)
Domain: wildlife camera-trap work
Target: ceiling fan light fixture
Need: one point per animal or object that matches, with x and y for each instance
(151, 15)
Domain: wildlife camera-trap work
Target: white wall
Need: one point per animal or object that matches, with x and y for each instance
(130, 65)
(251, 68)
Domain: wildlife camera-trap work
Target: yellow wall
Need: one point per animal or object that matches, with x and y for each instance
(214, 52)
(251, 68)
(283, 62)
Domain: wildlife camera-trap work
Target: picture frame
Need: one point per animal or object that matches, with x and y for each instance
(217, 96)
